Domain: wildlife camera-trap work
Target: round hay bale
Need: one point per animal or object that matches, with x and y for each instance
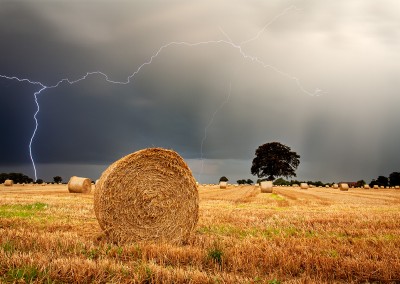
(149, 195)
(344, 187)
(335, 186)
(79, 185)
(303, 185)
(223, 184)
(366, 186)
(8, 182)
(266, 186)
(397, 187)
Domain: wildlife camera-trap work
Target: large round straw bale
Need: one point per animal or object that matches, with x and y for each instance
(148, 195)
(266, 186)
(79, 185)
(8, 182)
(366, 186)
(397, 187)
(303, 185)
(223, 184)
(344, 187)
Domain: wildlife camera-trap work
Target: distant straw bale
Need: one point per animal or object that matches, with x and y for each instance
(266, 186)
(79, 185)
(149, 195)
(366, 186)
(223, 184)
(335, 186)
(344, 187)
(8, 182)
(303, 185)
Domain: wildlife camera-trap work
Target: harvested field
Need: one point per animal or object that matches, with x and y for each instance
(319, 235)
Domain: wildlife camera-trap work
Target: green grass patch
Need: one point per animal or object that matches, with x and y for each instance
(26, 274)
(21, 210)
(332, 253)
(215, 254)
(8, 247)
(276, 196)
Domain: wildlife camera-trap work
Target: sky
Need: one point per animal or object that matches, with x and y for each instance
(212, 80)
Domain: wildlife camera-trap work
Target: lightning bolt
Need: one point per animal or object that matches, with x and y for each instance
(283, 13)
(229, 43)
(209, 124)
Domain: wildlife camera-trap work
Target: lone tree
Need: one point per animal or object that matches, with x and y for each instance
(394, 179)
(223, 178)
(57, 179)
(274, 159)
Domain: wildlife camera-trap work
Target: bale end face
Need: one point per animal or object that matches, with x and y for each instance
(266, 186)
(223, 184)
(149, 195)
(8, 182)
(304, 185)
(79, 185)
(344, 187)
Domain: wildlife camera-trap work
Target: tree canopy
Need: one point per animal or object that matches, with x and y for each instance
(223, 178)
(394, 179)
(274, 159)
(57, 179)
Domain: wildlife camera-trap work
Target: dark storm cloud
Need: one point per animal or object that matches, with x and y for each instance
(349, 50)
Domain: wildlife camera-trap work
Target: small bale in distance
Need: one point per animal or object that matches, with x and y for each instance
(397, 187)
(266, 186)
(149, 195)
(344, 187)
(8, 182)
(303, 185)
(366, 186)
(223, 184)
(335, 186)
(79, 185)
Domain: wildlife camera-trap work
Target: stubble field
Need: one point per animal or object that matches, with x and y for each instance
(319, 235)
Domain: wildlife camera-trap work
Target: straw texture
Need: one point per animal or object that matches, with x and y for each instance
(149, 195)
(79, 185)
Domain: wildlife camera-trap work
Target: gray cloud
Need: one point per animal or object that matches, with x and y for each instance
(348, 50)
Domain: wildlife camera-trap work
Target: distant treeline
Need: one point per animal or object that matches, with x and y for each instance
(15, 177)
(392, 180)
(21, 178)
